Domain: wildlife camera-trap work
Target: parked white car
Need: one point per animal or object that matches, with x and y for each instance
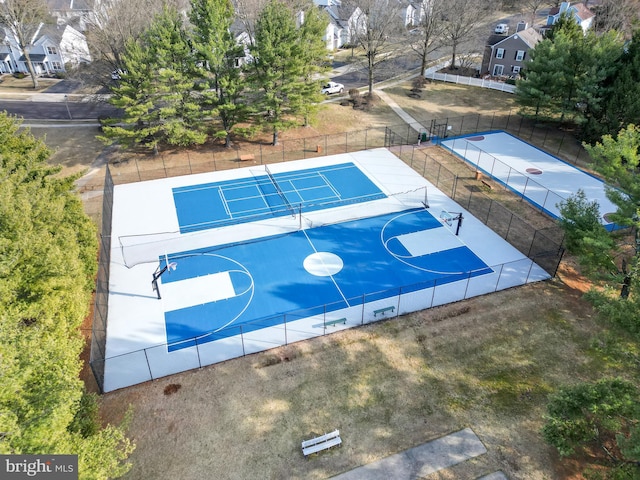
(332, 87)
(502, 29)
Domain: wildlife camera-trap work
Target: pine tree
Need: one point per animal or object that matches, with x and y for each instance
(284, 57)
(156, 90)
(535, 92)
(217, 52)
(48, 253)
(620, 104)
(315, 52)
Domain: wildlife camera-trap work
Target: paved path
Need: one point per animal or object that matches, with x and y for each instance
(422, 460)
(413, 123)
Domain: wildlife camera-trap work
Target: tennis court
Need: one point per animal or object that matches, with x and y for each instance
(542, 179)
(251, 259)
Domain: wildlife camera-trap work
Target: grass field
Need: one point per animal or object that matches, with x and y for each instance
(487, 363)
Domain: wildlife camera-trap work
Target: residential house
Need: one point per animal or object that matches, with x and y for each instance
(345, 22)
(413, 13)
(243, 38)
(505, 56)
(52, 50)
(77, 13)
(578, 11)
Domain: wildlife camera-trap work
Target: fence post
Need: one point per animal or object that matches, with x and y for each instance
(148, 365)
(244, 352)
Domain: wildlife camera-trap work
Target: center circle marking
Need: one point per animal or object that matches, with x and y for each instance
(323, 264)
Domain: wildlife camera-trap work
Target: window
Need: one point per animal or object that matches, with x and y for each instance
(520, 55)
(56, 65)
(500, 53)
(498, 70)
(52, 50)
(515, 69)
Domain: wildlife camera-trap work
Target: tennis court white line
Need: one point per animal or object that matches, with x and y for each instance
(330, 185)
(224, 202)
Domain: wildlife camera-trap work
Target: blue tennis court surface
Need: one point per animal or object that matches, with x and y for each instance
(216, 204)
(308, 271)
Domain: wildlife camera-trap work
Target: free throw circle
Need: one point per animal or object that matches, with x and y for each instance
(323, 264)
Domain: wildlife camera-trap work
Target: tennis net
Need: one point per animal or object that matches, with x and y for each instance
(280, 192)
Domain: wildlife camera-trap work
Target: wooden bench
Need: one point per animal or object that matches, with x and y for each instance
(247, 157)
(384, 310)
(487, 184)
(322, 442)
(335, 322)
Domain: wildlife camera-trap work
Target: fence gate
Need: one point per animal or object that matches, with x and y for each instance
(438, 130)
(392, 139)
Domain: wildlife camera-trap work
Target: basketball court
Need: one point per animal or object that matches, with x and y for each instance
(209, 267)
(542, 179)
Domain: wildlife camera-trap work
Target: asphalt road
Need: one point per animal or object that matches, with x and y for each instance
(29, 110)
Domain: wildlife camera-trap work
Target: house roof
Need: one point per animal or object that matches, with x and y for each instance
(529, 36)
(583, 12)
(578, 9)
(35, 57)
(67, 5)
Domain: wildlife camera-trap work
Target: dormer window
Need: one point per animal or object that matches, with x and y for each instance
(52, 50)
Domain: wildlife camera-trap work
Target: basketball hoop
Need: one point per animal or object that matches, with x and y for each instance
(168, 266)
(450, 217)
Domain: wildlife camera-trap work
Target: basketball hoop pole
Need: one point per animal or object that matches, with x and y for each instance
(158, 273)
(459, 218)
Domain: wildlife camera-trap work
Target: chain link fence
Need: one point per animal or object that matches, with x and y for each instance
(542, 246)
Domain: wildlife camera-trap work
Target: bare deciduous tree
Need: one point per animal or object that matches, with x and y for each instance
(428, 36)
(462, 19)
(530, 8)
(618, 15)
(115, 22)
(379, 32)
(23, 18)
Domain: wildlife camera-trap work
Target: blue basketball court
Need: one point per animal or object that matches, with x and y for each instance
(308, 272)
(209, 267)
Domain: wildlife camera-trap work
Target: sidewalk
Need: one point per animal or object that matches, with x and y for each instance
(400, 112)
(417, 462)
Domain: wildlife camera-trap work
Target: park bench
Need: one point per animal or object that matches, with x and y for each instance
(322, 442)
(487, 184)
(384, 310)
(335, 322)
(247, 157)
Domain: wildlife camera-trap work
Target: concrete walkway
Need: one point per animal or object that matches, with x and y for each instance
(422, 460)
(412, 122)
